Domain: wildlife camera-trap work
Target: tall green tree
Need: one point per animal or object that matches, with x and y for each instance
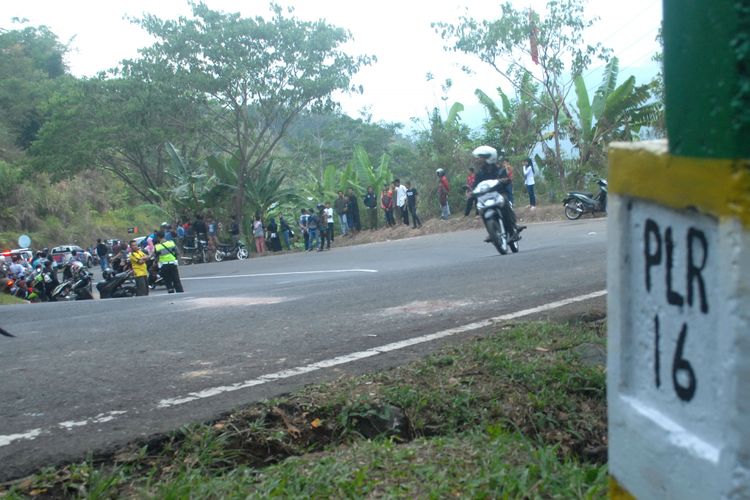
(121, 125)
(252, 77)
(31, 59)
(512, 44)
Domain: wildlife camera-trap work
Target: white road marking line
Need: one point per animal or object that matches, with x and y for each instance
(348, 358)
(290, 273)
(292, 372)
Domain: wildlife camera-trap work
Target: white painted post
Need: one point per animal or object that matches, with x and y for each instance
(679, 326)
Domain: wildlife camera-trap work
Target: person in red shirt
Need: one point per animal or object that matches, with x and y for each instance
(386, 203)
(470, 200)
(443, 190)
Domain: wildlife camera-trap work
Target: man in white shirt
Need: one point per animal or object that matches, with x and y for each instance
(329, 220)
(401, 200)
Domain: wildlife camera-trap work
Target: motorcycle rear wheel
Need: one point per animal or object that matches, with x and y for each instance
(573, 210)
(218, 256)
(242, 253)
(497, 235)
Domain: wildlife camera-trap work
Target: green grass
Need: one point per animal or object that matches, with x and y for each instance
(518, 414)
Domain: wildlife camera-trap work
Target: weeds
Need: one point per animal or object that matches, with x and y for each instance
(513, 415)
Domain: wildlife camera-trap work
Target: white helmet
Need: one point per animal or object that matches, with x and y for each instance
(487, 152)
(76, 268)
(440, 172)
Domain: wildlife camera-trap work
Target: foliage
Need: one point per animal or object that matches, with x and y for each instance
(252, 77)
(615, 113)
(561, 52)
(31, 59)
(120, 125)
(518, 414)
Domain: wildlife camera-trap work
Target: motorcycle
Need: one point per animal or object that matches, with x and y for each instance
(236, 251)
(490, 201)
(78, 287)
(116, 285)
(577, 203)
(195, 251)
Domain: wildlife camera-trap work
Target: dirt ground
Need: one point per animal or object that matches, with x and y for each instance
(456, 222)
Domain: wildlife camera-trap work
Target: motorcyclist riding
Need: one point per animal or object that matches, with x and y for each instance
(486, 160)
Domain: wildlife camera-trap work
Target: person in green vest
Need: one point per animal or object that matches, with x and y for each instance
(166, 252)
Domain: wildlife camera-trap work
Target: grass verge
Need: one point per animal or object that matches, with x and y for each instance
(518, 414)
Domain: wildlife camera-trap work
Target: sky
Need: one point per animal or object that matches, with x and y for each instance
(397, 32)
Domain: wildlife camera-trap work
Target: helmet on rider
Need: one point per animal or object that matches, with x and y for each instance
(440, 172)
(488, 153)
(76, 267)
(320, 206)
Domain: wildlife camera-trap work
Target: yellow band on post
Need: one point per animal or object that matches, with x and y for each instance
(617, 492)
(646, 170)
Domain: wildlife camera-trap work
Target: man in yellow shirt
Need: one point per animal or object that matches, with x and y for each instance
(138, 262)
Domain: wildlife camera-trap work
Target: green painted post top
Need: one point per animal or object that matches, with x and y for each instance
(707, 77)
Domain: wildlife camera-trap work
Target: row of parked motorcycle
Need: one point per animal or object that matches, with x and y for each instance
(198, 251)
(44, 285)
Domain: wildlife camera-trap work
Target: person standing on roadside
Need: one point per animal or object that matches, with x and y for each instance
(411, 202)
(329, 221)
(234, 230)
(313, 225)
(286, 231)
(386, 203)
(470, 200)
(138, 259)
(259, 234)
(303, 227)
(166, 251)
(443, 190)
(352, 212)
(371, 208)
(528, 180)
(102, 252)
(342, 205)
(400, 192)
(506, 171)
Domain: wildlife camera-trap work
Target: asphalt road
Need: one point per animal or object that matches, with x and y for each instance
(92, 375)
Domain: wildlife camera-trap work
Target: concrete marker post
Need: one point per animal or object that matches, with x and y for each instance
(678, 378)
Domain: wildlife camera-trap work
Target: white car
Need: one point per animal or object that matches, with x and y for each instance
(62, 253)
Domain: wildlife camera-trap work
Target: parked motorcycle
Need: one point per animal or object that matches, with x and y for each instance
(195, 251)
(77, 287)
(577, 203)
(490, 201)
(236, 251)
(116, 285)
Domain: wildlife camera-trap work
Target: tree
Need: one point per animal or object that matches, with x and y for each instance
(520, 37)
(252, 77)
(30, 59)
(517, 125)
(615, 113)
(120, 125)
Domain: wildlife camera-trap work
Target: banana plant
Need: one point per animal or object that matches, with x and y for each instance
(262, 192)
(191, 182)
(615, 113)
(367, 174)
